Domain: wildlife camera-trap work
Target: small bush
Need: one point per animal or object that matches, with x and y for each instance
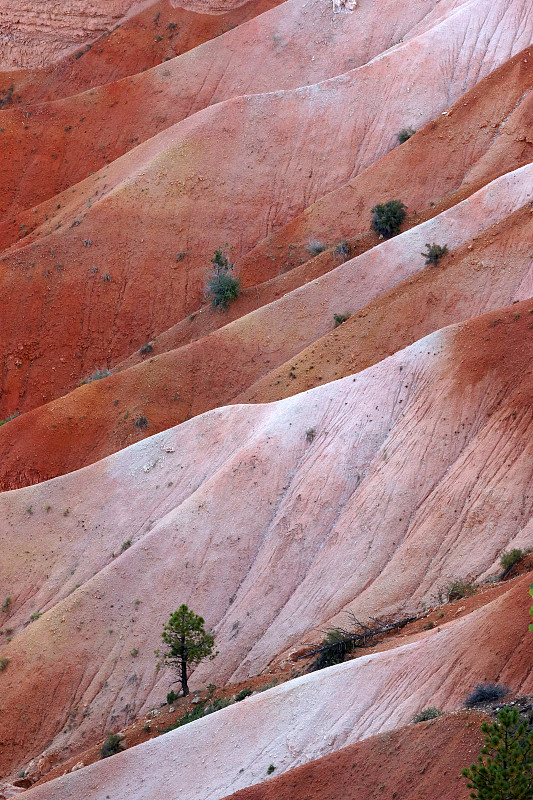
(485, 693)
(195, 713)
(270, 769)
(8, 419)
(426, 714)
(343, 250)
(315, 247)
(458, 589)
(171, 697)
(338, 319)
(111, 745)
(135, 652)
(222, 287)
(6, 604)
(310, 435)
(337, 647)
(141, 422)
(218, 704)
(387, 218)
(434, 252)
(405, 134)
(3, 663)
(97, 375)
(509, 559)
(146, 348)
(126, 545)
(243, 694)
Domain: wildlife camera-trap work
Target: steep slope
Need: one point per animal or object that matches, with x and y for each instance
(66, 278)
(421, 760)
(302, 720)
(144, 40)
(99, 418)
(426, 466)
(35, 33)
(61, 143)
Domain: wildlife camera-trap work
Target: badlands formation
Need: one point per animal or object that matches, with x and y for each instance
(278, 472)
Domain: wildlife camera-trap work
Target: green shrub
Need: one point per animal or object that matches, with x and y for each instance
(338, 319)
(315, 247)
(458, 589)
(243, 694)
(405, 134)
(270, 769)
(387, 218)
(434, 252)
(426, 714)
(126, 545)
(171, 696)
(8, 419)
(223, 287)
(485, 693)
(146, 348)
(110, 746)
(3, 663)
(6, 604)
(140, 422)
(510, 558)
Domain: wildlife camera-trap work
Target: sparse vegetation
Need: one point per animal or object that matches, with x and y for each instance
(458, 589)
(140, 422)
(310, 435)
(315, 247)
(405, 134)
(434, 252)
(6, 604)
(125, 545)
(97, 375)
(338, 319)
(507, 771)
(187, 643)
(343, 250)
(388, 217)
(135, 652)
(171, 697)
(8, 419)
(146, 348)
(223, 287)
(485, 693)
(270, 769)
(111, 745)
(426, 714)
(3, 663)
(243, 694)
(509, 558)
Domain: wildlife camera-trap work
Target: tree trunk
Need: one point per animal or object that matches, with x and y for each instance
(183, 678)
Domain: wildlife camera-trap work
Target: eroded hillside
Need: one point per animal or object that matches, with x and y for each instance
(351, 435)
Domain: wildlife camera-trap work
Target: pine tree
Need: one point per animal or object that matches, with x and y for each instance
(507, 771)
(187, 644)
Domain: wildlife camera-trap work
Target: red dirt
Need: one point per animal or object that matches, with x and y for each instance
(422, 760)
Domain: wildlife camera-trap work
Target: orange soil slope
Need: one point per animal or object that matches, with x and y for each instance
(303, 719)
(158, 33)
(423, 760)
(483, 135)
(68, 280)
(419, 471)
(55, 145)
(486, 272)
